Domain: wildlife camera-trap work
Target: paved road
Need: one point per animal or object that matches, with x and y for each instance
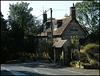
(36, 68)
(5, 72)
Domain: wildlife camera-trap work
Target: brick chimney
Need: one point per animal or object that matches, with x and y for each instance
(44, 17)
(72, 12)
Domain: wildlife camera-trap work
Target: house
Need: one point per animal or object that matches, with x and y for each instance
(63, 31)
(66, 28)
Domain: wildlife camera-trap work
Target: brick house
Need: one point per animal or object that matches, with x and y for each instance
(63, 31)
(65, 28)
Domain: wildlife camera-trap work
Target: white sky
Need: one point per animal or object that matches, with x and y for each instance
(60, 8)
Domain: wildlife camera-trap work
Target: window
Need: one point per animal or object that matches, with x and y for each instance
(44, 29)
(47, 25)
(59, 23)
(55, 27)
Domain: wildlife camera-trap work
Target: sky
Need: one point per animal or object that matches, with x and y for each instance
(60, 8)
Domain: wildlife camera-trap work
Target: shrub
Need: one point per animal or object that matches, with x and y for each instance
(92, 51)
(83, 58)
(73, 63)
(75, 54)
(93, 62)
(46, 47)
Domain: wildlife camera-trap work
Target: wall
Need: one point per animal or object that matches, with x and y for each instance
(73, 29)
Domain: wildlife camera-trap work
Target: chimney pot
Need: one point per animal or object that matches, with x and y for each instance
(73, 4)
(72, 12)
(44, 17)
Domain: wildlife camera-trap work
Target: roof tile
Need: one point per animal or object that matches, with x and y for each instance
(59, 30)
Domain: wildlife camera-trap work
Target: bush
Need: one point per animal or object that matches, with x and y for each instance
(92, 51)
(75, 54)
(83, 58)
(46, 48)
(73, 63)
(88, 64)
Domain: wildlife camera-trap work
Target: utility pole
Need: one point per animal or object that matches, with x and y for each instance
(52, 35)
(51, 23)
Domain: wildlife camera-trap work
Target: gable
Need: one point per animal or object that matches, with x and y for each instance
(73, 29)
(62, 25)
(67, 29)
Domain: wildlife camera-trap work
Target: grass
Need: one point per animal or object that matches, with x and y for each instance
(12, 61)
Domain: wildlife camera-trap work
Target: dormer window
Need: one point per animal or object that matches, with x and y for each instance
(55, 26)
(47, 25)
(59, 22)
(44, 29)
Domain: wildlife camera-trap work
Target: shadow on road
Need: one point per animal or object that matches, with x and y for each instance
(41, 64)
(5, 73)
(28, 73)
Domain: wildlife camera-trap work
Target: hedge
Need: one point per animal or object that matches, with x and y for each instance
(92, 51)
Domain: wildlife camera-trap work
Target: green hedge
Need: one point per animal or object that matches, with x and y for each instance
(92, 51)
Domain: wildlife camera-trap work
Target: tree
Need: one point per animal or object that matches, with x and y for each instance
(3, 27)
(21, 14)
(46, 46)
(23, 26)
(4, 36)
(87, 13)
(73, 46)
(66, 15)
(50, 18)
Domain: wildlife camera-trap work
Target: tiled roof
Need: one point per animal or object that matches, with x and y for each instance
(59, 30)
(59, 44)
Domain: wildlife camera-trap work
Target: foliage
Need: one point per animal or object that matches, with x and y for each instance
(12, 61)
(83, 58)
(87, 14)
(20, 14)
(87, 64)
(66, 15)
(72, 63)
(23, 25)
(30, 44)
(73, 47)
(18, 32)
(95, 36)
(75, 41)
(4, 35)
(46, 46)
(92, 51)
(50, 18)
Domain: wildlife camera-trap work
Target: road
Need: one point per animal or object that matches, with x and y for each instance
(36, 68)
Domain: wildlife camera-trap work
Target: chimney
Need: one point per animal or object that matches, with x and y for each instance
(44, 17)
(72, 12)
